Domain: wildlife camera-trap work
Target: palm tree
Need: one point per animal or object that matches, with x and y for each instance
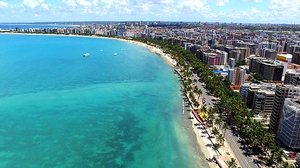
(218, 122)
(215, 131)
(287, 165)
(231, 104)
(220, 139)
(232, 163)
(278, 155)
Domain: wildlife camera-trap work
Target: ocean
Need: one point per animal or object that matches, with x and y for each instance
(12, 26)
(119, 107)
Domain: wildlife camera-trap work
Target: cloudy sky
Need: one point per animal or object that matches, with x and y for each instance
(246, 11)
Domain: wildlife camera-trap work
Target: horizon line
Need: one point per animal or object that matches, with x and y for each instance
(120, 21)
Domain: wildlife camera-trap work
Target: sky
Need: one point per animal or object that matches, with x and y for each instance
(240, 11)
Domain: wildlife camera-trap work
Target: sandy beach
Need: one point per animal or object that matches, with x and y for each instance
(196, 134)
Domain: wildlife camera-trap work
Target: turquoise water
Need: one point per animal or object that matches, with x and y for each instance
(58, 109)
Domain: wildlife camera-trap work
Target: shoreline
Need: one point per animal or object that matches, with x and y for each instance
(193, 130)
(152, 49)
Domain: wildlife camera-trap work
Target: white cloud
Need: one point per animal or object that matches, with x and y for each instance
(3, 4)
(145, 6)
(195, 5)
(80, 3)
(254, 10)
(166, 1)
(184, 10)
(285, 8)
(222, 2)
(256, 1)
(116, 6)
(35, 4)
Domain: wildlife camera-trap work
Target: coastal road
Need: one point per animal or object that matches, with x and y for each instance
(205, 94)
(232, 140)
(244, 161)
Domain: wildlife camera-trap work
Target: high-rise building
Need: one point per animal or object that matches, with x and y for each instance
(231, 76)
(289, 126)
(268, 69)
(267, 45)
(231, 63)
(263, 102)
(296, 80)
(296, 58)
(239, 76)
(250, 95)
(282, 92)
(223, 57)
(236, 54)
(288, 78)
(248, 91)
(244, 91)
(269, 54)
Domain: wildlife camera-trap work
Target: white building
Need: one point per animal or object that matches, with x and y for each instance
(231, 75)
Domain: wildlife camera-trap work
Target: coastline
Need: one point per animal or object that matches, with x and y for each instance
(195, 132)
(153, 49)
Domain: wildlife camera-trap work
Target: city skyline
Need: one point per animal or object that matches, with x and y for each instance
(241, 11)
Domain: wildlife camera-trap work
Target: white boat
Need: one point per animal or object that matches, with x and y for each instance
(115, 54)
(86, 55)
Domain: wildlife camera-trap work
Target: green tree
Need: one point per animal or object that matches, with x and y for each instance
(215, 131)
(220, 139)
(232, 163)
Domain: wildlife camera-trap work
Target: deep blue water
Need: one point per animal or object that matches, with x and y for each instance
(59, 109)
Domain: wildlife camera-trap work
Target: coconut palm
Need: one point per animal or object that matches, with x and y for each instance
(215, 131)
(232, 163)
(220, 139)
(218, 122)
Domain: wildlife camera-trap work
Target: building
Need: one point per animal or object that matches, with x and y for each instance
(236, 54)
(248, 91)
(269, 54)
(223, 57)
(237, 76)
(288, 77)
(284, 57)
(211, 57)
(270, 70)
(296, 80)
(282, 92)
(296, 58)
(232, 63)
(263, 102)
(267, 45)
(289, 127)
(231, 76)
(239, 53)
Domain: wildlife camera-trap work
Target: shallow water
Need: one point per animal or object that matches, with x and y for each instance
(59, 109)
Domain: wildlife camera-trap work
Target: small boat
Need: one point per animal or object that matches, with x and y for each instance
(86, 55)
(115, 54)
